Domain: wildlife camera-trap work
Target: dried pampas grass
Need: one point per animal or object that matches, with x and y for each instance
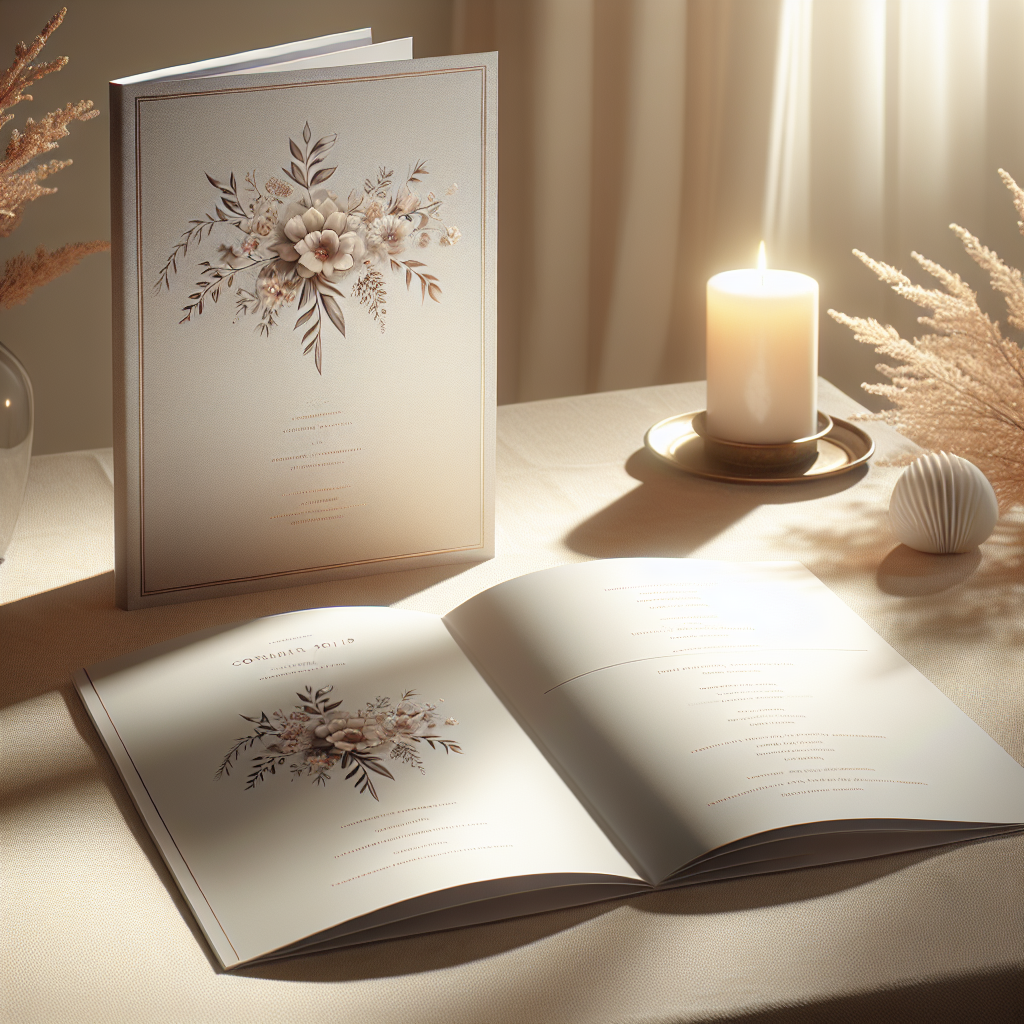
(24, 273)
(959, 388)
(18, 187)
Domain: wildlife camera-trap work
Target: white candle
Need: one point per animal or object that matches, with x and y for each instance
(762, 355)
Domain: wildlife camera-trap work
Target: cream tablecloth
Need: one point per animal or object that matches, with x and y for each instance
(94, 929)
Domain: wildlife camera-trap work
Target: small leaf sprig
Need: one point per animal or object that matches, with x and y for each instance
(311, 157)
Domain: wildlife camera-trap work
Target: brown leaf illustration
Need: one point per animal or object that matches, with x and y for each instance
(322, 175)
(334, 312)
(324, 144)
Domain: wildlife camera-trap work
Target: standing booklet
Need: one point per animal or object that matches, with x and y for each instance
(334, 776)
(304, 251)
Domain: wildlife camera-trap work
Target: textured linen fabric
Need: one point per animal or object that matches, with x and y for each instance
(93, 928)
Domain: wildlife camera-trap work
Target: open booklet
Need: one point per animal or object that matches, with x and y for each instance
(339, 775)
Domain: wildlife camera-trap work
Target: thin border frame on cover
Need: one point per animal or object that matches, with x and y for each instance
(129, 354)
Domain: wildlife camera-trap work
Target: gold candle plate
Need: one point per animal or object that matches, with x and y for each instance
(836, 449)
(787, 455)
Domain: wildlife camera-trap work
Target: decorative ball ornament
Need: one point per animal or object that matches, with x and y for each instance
(943, 505)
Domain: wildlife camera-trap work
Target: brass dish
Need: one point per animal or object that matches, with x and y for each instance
(676, 441)
(791, 455)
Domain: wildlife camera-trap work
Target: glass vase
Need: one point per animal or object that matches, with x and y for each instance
(16, 419)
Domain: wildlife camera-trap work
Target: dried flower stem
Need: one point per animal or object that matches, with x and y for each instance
(22, 72)
(19, 187)
(24, 273)
(961, 387)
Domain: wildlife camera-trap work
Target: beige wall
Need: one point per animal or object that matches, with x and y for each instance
(62, 334)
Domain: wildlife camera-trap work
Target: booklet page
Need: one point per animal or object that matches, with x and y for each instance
(255, 60)
(393, 49)
(696, 703)
(317, 766)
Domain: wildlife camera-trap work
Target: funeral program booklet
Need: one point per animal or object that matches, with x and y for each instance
(304, 251)
(337, 775)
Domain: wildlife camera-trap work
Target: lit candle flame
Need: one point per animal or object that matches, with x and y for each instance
(762, 261)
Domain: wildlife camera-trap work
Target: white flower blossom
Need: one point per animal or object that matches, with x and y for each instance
(274, 291)
(264, 219)
(385, 237)
(318, 238)
(451, 236)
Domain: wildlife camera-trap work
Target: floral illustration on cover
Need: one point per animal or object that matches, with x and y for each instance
(316, 737)
(293, 247)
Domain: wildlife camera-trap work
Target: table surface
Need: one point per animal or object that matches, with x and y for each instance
(95, 930)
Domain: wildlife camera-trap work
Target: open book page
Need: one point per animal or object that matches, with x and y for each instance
(314, 767)
(694, 704)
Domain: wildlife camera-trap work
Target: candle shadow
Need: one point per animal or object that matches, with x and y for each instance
(673, 513)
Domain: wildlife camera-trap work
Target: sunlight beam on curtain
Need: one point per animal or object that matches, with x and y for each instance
(785, 223)
(848, 174)
(556, 282)
(941, 98)
(636, 328)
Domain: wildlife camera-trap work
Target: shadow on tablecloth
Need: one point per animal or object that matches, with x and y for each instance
(47, 636)
(976, 597)
(673, 514)
(996, 998)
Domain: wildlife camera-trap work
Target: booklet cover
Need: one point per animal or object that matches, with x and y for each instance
(304, 314)
(340, 775)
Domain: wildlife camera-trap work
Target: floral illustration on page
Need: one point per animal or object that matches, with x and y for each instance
(296, 245)
(316, 736)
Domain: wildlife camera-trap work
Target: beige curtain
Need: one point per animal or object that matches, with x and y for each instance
(647, 144)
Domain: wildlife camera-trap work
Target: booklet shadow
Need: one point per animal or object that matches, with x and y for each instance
(673, 513)
(440, 950)
(93, 628)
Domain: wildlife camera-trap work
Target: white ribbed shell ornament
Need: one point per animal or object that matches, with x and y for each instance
(943, 505)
